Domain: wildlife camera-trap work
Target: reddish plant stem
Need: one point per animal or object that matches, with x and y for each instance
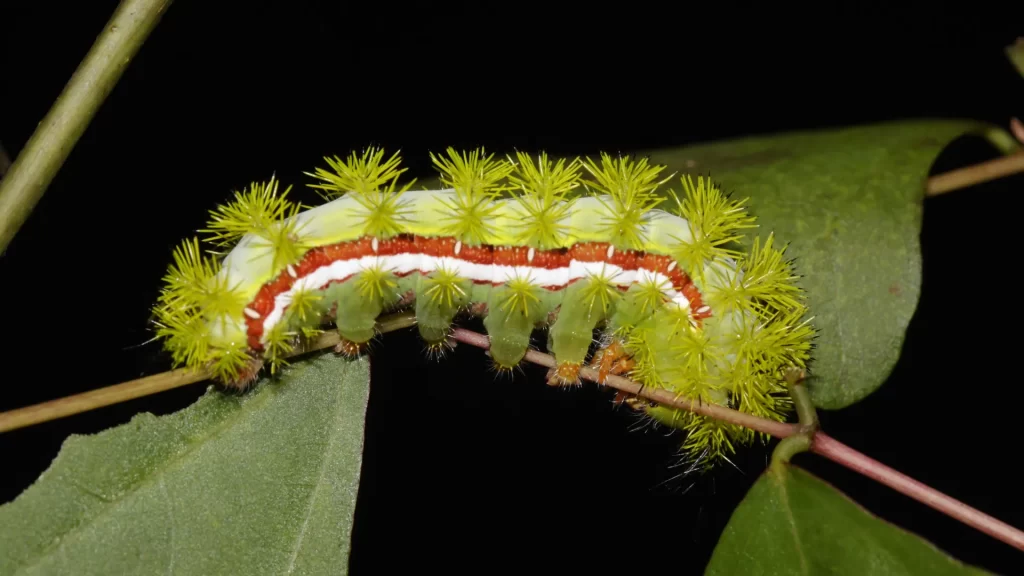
(840, 453)
(822, 445)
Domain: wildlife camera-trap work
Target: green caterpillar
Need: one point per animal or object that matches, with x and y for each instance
(571, 246)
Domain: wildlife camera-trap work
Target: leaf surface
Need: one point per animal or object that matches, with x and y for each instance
(792, 523)
(259, 483)
(849, 203)
(1015, 52)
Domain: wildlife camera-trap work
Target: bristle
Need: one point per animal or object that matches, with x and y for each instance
(377, 283)
(766, 287)
(476, 179)
(715, 223)
(255, 208)
(193, 281)
(601, 291)
(444, 287)
(544, 200)
(280, 343)
(385, 212)
(350, 349)
(303, 307)
(501, 371)
(186, 335)
(284, 240)
(236, 370)
(521, 294)
(360, 174)
(437, 351)
(630, 186)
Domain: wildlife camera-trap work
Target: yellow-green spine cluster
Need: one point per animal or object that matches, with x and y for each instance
(545, 199)
(739, 357)
(476, 178)
(199, 302)
(631, 187)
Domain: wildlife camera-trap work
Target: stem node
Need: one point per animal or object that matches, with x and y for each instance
(808, 425)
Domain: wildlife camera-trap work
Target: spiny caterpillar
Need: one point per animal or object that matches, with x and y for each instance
(568, 245)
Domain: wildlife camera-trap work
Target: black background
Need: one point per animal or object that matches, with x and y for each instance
(463, 472)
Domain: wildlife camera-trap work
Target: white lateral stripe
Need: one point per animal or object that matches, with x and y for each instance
(402, 264)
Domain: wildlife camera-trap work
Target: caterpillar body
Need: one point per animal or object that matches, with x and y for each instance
(524, 242)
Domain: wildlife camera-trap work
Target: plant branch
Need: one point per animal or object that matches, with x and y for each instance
(822, 445)
(48, 148)
(976, 174)
(78, 403)
(805, 410)
(825, 445)
(658, 395)
(808, 417)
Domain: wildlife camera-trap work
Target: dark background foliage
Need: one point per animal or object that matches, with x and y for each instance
(463, 471)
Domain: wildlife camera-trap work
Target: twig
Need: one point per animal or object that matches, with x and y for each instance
(54, 409)
(825, 445)
(70, 405)
(806, 414)
(1017, 129)
(658, 395)
(976, 174)
(45, 152)
(822, 445)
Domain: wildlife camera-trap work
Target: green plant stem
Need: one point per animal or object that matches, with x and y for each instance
(789, 447)
(805, 412)
(49, 146)
(1015, 52)
(109, 395)
(802, 440)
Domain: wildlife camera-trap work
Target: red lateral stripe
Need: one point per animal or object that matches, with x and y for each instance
(316, 258)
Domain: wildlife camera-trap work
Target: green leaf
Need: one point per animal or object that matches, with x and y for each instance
(260, 483)
(849, 203)
(791, 522)
(1015, 52)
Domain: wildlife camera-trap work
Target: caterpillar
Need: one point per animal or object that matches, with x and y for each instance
(571, 246)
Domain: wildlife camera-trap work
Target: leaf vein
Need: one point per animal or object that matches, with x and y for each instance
(784, 493)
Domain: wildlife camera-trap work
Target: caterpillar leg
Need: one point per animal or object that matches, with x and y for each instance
(438, 350)
(246, 376)
(573, 331)
(563, 374)
(632, 401)
(439, 297)
(351, 349)
(510, 321)
(356, 304)
(613, 359)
